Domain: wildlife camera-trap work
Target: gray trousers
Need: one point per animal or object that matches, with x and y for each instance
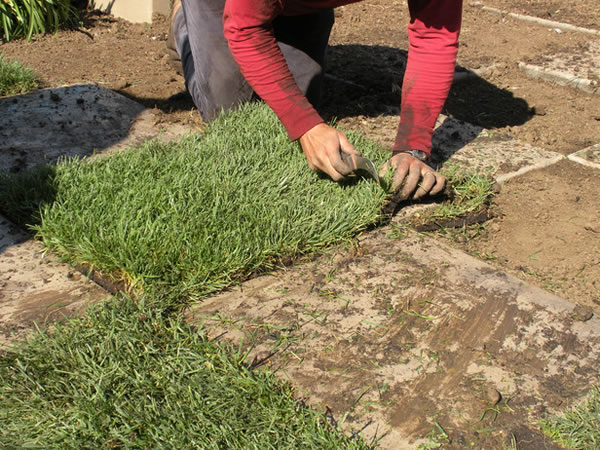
(212, 76)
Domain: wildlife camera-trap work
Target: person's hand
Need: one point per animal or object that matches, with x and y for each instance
(322, 145)
(415, 178)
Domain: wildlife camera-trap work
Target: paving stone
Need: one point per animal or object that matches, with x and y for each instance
(580, 70)
(403, 333)
(486, 151)
(589, 156)
(35, 289)
(81, 120)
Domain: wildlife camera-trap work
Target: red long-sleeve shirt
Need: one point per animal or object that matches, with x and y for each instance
(433, 44)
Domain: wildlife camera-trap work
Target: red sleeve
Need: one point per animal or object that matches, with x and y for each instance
(433, 45)
(248, 30)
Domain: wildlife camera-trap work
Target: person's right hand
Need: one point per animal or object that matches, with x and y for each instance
(322, 145)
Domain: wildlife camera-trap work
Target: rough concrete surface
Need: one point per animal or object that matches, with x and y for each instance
(35, 289)
(579, 69)
(589, 156)
(481, 150)
(81, 120)
(401, 334)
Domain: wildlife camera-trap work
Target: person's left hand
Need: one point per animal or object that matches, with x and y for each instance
(414, 177)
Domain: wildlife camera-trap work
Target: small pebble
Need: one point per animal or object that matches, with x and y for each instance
(493, 395)
(582, 313)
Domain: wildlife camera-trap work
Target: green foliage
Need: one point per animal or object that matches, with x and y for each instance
(197, 215)
(122, 376)
(15, 78)
(22, 19)
(471, 192)
(578, 428)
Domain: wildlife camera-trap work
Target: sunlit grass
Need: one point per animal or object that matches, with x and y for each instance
(15, 78)
(127, 376)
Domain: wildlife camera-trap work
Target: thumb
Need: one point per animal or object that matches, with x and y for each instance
(346, 146)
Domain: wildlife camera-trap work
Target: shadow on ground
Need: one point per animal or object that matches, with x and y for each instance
(367, 80)
(44, 126)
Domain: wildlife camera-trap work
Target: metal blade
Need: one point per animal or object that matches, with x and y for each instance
(361, 163)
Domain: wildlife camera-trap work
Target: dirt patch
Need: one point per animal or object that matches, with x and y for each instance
(546, 231)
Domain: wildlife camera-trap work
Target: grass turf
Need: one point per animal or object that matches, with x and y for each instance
(197, 215)
(15, 78)
(124, 376)
(578, 428)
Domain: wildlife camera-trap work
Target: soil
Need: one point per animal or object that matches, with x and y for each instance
(546, 228)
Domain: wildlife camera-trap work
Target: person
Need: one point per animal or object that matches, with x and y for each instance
(232, 50)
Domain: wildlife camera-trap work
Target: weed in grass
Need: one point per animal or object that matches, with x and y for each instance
(578, 428)
(203, 213)
(436, 438)
(126, 376)
(14, 77)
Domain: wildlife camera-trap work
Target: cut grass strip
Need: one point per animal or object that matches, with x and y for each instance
(471, 195)
(124, 377)
(200, 214)
(578, 428)
(15, 78)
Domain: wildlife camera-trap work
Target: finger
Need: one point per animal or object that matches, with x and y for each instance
(338, 164)
(346, 146)
(411, 181)
(330, 170)
(427, 183)
(400, 174)
(440, 183)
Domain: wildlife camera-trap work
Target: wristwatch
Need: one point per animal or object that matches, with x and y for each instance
(419, 154)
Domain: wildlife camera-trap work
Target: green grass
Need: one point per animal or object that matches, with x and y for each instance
(15, 78)
(578, 428)
(197, 215)
(124, 376)
(22, 19)
(471, 192)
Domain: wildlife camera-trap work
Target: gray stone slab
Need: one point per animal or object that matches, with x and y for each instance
(486, 151)
(589, 156)
(81, 120)
(580, 69)
(557, 26)
(483, 151)
(35, 289)
(399, 334)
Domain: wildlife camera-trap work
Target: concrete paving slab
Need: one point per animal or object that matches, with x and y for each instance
(589, 156)
(35, 289)
(561, 26)
(486, 151)
(482, 151)
(80, 120)
(580, 69)
(402, 334)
